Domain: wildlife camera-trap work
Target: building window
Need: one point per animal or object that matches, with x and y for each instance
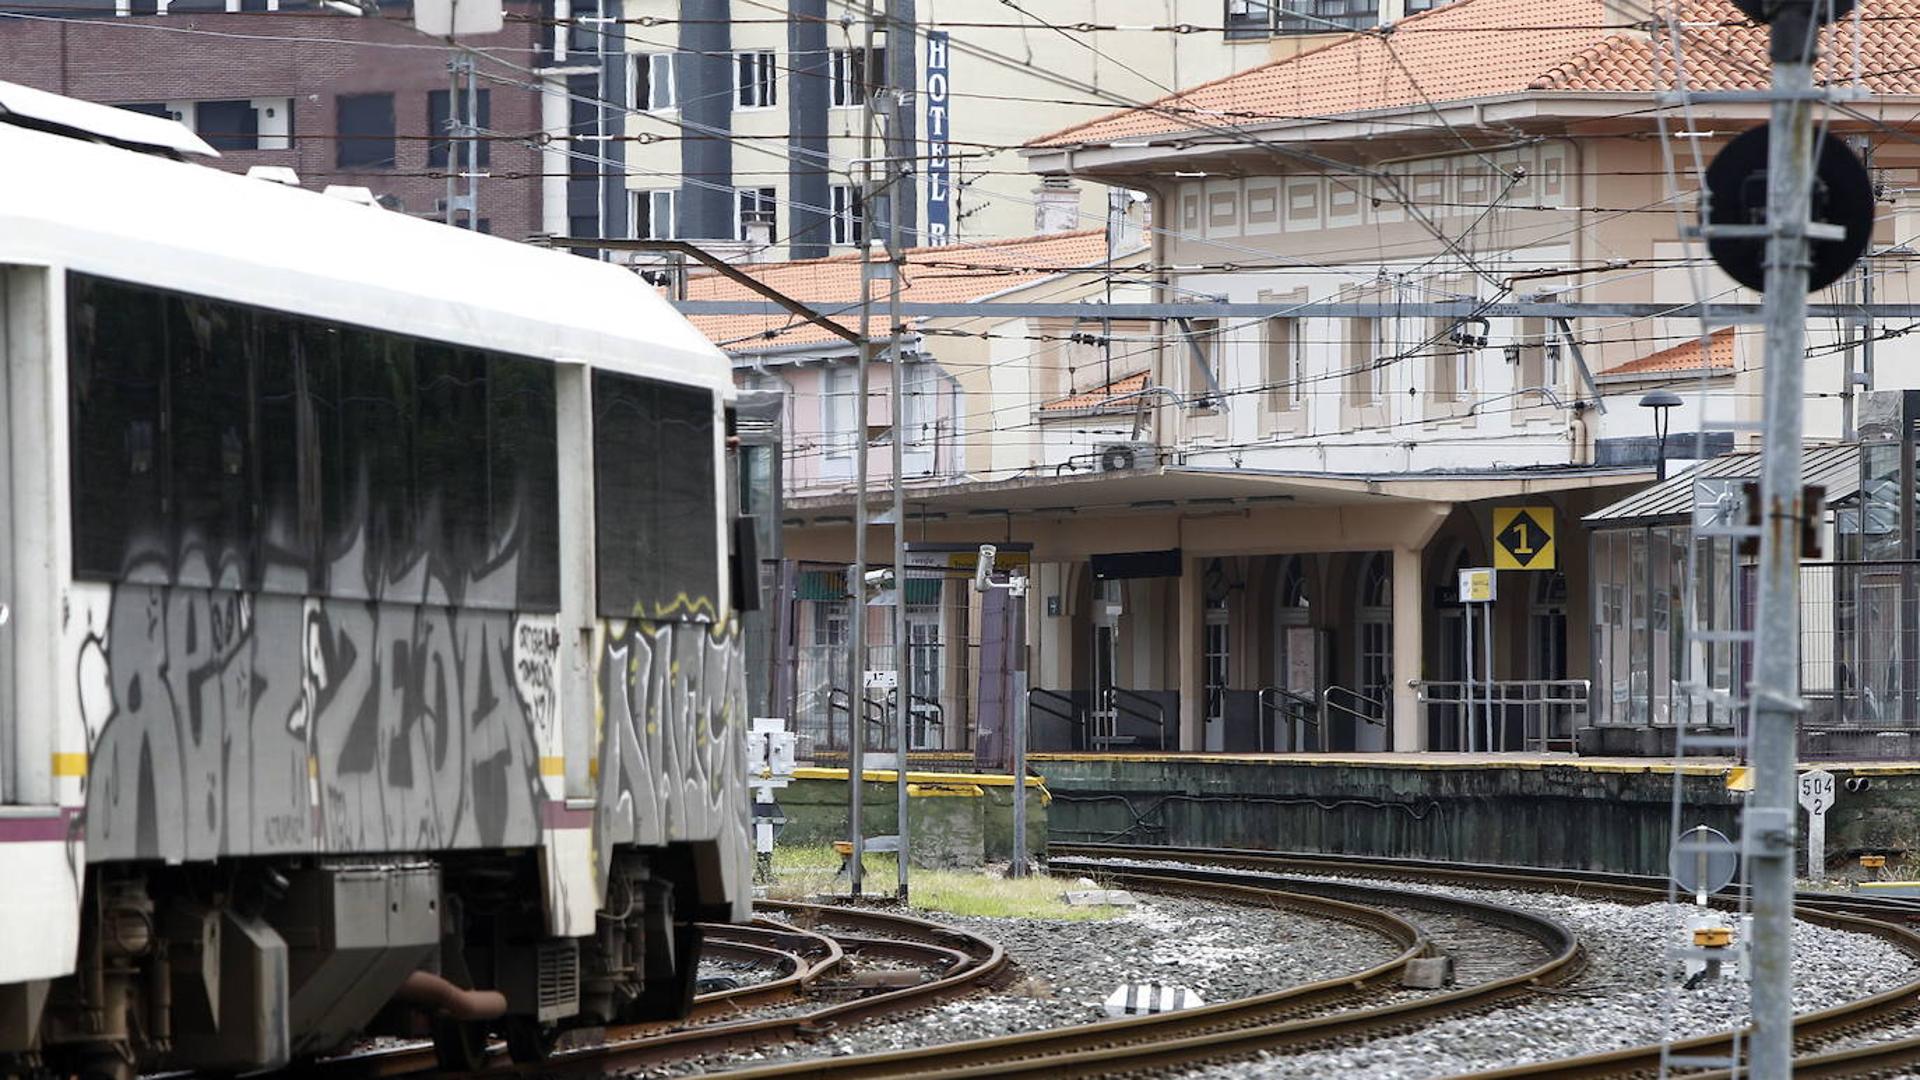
(920, 415)
(1282, 375)
(849, 222)
(756, 217)
(653, 214)
(837, 434)
(1367, 354)
(1249, 19)
(1203, 348)
(1446, 363)
(365, 124)
(856, 73)
(754, 80)
(1326, 16)
(438, 122)
(653, 89)
(1539, 359)
(227, 125)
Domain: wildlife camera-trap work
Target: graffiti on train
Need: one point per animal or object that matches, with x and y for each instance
(229, 722)
(673, 748)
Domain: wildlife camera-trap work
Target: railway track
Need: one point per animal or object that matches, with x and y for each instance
(810, 950)
(1356, 1005)
(1814, 1031)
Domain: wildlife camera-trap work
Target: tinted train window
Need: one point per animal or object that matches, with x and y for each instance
(655, 500)
(218, 444)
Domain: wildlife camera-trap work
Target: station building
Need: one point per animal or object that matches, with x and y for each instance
(1246, 533)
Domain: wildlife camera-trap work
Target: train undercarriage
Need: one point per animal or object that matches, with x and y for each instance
(252, 964)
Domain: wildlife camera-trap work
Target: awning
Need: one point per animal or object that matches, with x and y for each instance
(1835, 468)
(1172, 485)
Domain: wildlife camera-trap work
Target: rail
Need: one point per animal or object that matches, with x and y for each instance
(1549, 711)
(1301, 710)
(874, 713)
(1349, 1006)
(1371, 710)
(1890, 919)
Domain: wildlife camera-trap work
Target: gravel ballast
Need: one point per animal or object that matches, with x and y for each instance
(1619, 1000)
(1065, 970)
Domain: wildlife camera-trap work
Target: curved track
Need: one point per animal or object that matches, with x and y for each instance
(1888, 920)
(1358, 1005)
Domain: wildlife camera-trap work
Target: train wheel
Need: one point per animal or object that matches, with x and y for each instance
(459, 1045)
(529, 1042)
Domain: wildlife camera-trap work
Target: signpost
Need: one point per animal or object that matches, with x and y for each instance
(1479, 585)
(1816, 796)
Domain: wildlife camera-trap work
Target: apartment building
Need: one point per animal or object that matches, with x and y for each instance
(1250, 536)
(355, 101)
(748, 126)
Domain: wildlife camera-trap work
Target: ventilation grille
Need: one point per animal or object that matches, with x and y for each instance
(558, 986)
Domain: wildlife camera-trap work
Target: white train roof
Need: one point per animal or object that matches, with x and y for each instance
(73, 204)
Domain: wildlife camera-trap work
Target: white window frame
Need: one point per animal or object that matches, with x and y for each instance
(663, 204)
(763, 91)
(847, 89)
(849, 218)
(837, 419)
(766, 201)
(1283, 394)
(655, 72)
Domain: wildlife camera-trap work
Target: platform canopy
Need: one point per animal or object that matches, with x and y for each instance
(1166, 486)
(1834, 468)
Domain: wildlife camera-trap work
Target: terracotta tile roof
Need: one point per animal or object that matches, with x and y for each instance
(1483, 48)
(1099, 395)
(956, 273)
(1682, 357)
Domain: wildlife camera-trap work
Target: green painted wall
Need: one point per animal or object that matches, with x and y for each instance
(1543, 815)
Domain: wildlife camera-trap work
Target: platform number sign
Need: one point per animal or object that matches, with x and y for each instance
(1816, 796)
(1523, 538)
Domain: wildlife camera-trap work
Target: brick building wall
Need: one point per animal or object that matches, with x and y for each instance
(312, 59)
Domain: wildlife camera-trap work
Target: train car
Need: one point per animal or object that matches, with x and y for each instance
(369, 658)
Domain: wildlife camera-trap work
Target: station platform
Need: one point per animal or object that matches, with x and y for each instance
(1537, 809)
(1600, 813)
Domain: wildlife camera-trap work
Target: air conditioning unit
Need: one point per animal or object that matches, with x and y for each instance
(1125, 456)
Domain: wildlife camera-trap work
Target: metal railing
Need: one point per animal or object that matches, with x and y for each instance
(1357, 705)
(1133, 705)
(1547, 711)
(1295, 710)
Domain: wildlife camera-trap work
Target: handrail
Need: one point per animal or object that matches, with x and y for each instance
(1572, 695)
(874, 712)
(1069, 714)
(1326, 699)
(1304, 712)
(1158, 717)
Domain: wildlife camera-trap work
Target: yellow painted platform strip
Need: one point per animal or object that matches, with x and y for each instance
(885, 776)
(946, 791)
(1426, 761)
(69, 764)
(553, 766)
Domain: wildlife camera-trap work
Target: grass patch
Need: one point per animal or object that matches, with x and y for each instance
(799, 872)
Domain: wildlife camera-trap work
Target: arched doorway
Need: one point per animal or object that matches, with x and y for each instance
(1373, 653)
(1548, 726)
(1296, 661)
(1446, 723)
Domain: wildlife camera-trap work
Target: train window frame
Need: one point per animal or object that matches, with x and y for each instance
(301, 493)
(645, 486)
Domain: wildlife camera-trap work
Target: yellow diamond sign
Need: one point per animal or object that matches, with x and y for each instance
(1523, 538)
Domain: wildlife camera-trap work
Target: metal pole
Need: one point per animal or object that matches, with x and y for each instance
(453, 127)
(470, 120)
(1466, 692)
(901, 127)
(1768, 830)
(1017, 641)
(857, 659)
(1486, 650)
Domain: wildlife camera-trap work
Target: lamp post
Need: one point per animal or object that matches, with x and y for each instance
(1661, 402)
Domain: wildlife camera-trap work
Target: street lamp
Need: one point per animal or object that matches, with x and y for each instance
(1661, 402)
